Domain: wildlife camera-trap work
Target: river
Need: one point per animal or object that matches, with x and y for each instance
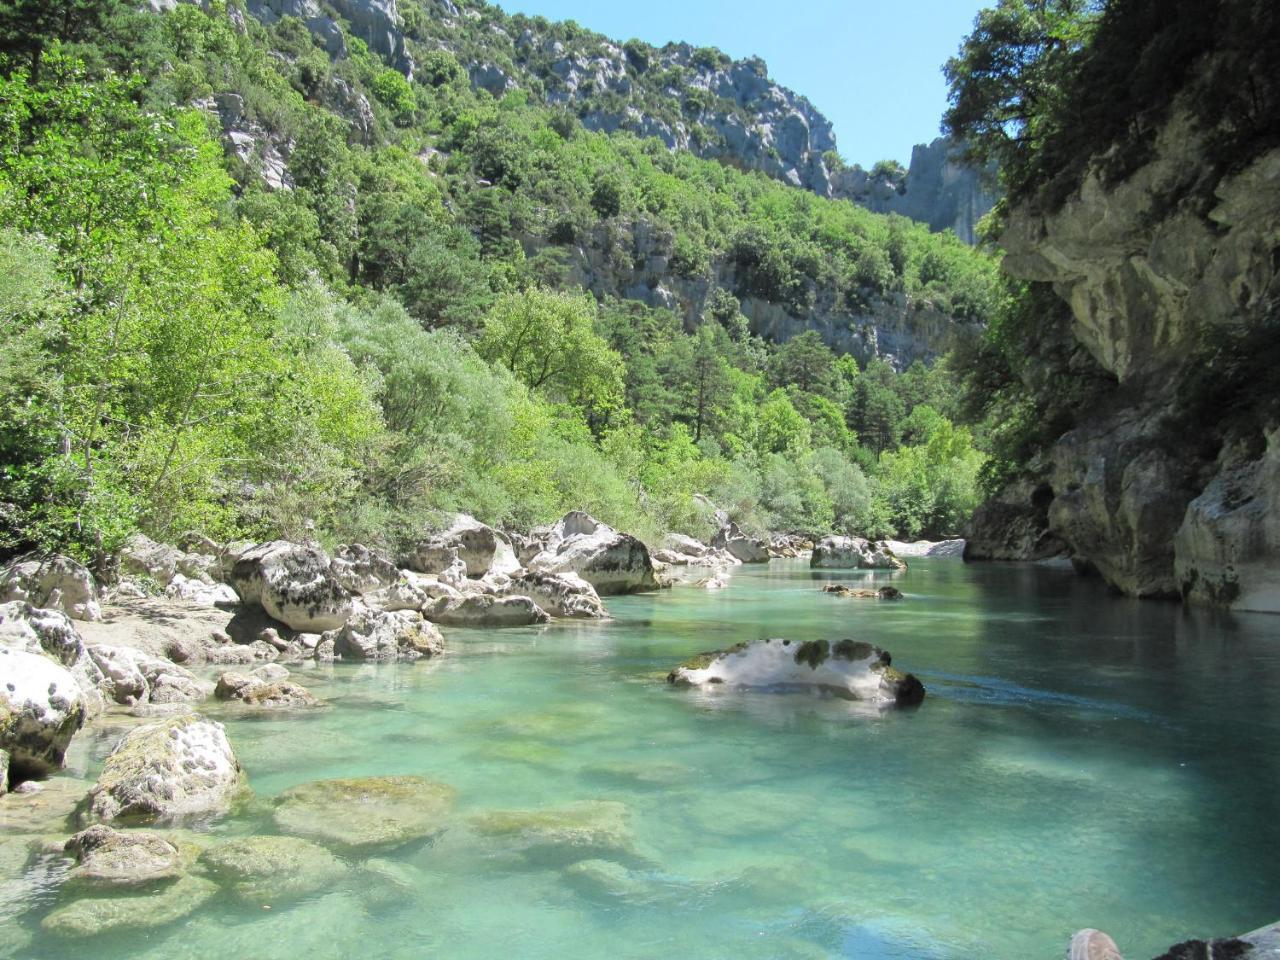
(1080, 760)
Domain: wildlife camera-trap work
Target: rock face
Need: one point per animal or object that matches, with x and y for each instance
(1163, 485)
(173, 768)
(847, 668)
(1014, 525)
(939, 189)
(738, 545)
(403, 635)
(610, 561)
(294, 584)
(41, 708)
(853, 553)
(58, 583)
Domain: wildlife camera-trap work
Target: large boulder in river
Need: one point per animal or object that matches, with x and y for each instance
(51, 633)
(58, 583)
(386, 636)
(559, 594)
(478, 547)
(41, 708)
(610, 561)
(294, 584)
(853, 553)
(847, 668)
(739, 545)
(483, 610)
(361, 570)
(177, 767)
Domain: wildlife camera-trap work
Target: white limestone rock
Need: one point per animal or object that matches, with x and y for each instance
(610, 561)
(847, 668)
(294, 584)
(484, 610)
(41, 708)
(559, 594)
(853, 553)
(183, 766)
(132, 677)
(58, 583)
(386, 636)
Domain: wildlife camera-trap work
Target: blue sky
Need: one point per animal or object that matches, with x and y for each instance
(872, 66)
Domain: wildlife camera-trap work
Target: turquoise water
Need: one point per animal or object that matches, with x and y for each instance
(1080, 760)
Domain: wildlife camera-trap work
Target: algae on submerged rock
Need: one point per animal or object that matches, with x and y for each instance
(368, 813)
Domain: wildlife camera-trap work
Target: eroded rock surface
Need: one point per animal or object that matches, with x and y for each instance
(848, 668)
(400, 635)
(853, 553)
(294, 584)
(369, 813)
(610, 561)
(57, 583)
(177, 767)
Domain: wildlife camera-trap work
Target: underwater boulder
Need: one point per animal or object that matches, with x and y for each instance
(367, 813)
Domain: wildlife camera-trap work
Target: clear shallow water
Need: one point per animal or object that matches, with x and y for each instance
(1080, 760)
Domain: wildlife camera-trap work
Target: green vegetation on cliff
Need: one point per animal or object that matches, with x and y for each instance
(370, 306)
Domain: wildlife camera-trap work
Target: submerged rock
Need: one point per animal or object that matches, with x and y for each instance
(848, 668)
(94, 916)
(178, 767)
(607, 880)
(853, 553)
(1093, 945)
(260, 870)
(267, 687)
(482, 610)
(58, 583)
(402, 635)
(41, 708)
(610, 561)
(594, 828)
(369, 813)
(110, 858)
(860, 593)
(294, 584)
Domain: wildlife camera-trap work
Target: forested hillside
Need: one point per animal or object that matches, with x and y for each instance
(258, 280)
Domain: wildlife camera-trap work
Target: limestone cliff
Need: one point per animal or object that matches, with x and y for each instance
(1168, 487)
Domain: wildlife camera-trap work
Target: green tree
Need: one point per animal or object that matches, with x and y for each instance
(807, 363)
(548, 340)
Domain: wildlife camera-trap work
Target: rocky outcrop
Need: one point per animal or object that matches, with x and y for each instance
(1162, 486)
(172, 768)
(739, 546)
(853, 553)
(294, 584)
(1014, 524)
(939, 189)
(402, 635)
(847, 668)
(57, 583)
(612, 562)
